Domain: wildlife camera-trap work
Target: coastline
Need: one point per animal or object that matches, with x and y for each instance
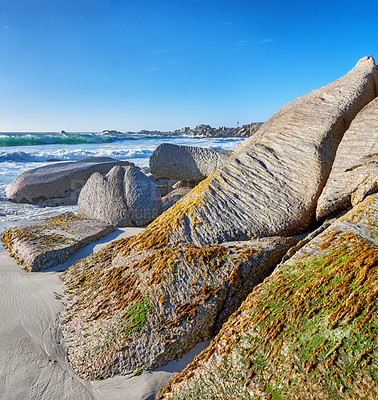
(32, 348)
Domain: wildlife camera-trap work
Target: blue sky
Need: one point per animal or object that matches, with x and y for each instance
(89, 65)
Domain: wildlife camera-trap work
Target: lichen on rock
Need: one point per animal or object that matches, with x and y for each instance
(310, 331)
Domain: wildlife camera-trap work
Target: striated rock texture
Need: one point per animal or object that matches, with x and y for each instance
(56, 180)
(271, 185)
(52, 241)
(135, 310)
(355, 170)
(309, 331)
(124, 197)
(186, 163)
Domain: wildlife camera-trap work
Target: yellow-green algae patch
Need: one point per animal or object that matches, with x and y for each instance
(307, 332)
(40, 232)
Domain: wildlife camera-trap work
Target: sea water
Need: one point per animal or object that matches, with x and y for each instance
(22, 151)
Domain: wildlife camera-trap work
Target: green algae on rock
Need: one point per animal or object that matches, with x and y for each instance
(309, 331)
(135, 309)
(51, 241)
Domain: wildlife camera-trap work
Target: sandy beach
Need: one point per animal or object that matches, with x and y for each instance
(32, 349)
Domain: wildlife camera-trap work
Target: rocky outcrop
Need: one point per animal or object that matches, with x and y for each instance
(136, 310)
(147, 299)
(56, 180)
(51, 241)
(204, 130)
(307, 332)
(124, 197)
(271, 185)
(355, 170)
(208, 131)
(186, 163)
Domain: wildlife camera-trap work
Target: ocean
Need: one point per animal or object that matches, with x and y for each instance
(22, 151)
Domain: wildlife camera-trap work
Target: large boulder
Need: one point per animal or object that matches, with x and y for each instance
(271, 185)
(354, 173)
(309, 331)
(186, 163)
(56, 180)
(124, 197)
(52, 241)
(137, 310)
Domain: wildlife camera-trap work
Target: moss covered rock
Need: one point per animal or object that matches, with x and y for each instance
(134, 309)
(52, 241)
(309, 331)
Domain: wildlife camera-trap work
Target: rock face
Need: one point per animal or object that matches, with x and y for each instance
(309, 331)
(355, 170)
(124, 197)
(56, 180)
(271, 185)
(140, 309)
(186, 163)
(52, 241)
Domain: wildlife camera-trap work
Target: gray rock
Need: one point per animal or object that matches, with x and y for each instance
(52, 241)
(102, 199)
(55, 180)
(186, 162)
(124, 197)
(354, 173)
(271, 184)
(173, 197)
(142, 197)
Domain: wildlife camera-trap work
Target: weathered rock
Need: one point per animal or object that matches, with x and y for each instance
(102, 199)
(52, 241)
(142, 197)
(173, 197)
(140, 309)
(124, 197)
(307, 332)
(271, 185)
(186, 163)
(55, 180)
(354, 173)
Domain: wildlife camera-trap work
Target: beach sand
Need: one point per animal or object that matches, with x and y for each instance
(32, 351)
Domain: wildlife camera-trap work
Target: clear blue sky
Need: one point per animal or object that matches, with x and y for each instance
(89, 65)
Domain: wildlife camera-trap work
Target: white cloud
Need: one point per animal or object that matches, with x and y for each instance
(242, 42)
(265, 41)
(174, 61)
